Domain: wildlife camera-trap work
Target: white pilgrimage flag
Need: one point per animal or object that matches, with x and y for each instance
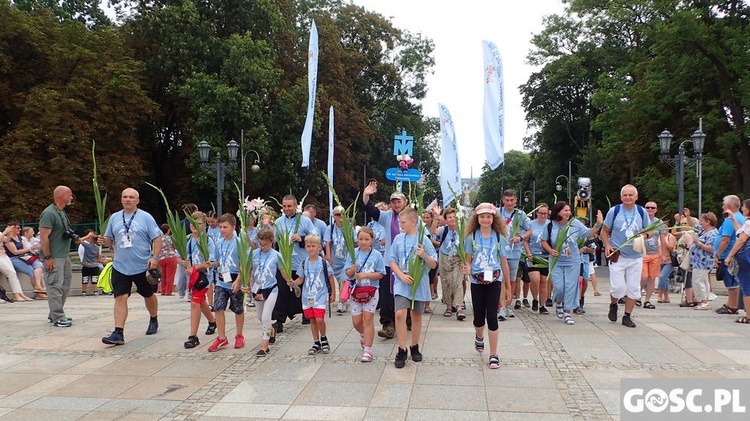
(494, 113)
(312, 84)
(330, 164)
(449, 169)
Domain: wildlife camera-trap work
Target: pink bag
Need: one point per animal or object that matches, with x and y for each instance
(346, 291)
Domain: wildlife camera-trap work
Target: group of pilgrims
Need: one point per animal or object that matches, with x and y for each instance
(393, 269)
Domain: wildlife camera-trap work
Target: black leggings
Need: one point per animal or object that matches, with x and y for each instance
(485, 299)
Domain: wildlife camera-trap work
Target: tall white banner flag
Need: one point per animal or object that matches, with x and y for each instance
(330, 164)
(450, 171)
(494, 113)
(312, 86)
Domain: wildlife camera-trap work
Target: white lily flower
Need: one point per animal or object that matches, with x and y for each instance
(399, 157)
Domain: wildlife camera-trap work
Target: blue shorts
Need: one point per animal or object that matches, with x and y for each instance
(513, 269)
(224, 296)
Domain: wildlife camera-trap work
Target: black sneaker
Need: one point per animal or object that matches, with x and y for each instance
(305, 321)
(627, 322)
(534, 305)
(63, 322)
(279, 327)
(401, 356)
(543, 311)
(192, 342)
(153, 326)
(416, 356)
(211, 329)
(526, 303)
(548, 303)
(115, 338)
(579, 310)
(612, 312)
(517, 305)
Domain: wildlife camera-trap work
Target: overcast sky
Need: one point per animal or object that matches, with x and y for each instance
(458, 28)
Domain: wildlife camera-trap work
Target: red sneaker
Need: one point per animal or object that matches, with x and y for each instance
(239, 341)
(218, 344)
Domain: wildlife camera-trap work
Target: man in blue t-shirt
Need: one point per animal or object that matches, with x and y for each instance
(132, 232)
(621, 224)
(723, 244)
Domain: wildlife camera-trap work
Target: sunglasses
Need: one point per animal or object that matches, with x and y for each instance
(650, 207)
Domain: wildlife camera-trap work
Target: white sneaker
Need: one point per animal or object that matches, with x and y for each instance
(711, 296)
(509, 312)
(501, 313)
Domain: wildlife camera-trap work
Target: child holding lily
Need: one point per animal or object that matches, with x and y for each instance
(366, 272)
(408, 251)
(265, 288)
(487, 265)
(197, 266)
(336, 252)
(560, 240)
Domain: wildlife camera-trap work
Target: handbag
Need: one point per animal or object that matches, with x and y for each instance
(346, 291)
(685, 263)
(363, 294)
(29, 258)
(614, 257)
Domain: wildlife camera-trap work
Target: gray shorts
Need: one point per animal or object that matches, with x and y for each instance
(400, 302)
(513, 268)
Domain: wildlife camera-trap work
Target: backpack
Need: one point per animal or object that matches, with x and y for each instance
(444, 234)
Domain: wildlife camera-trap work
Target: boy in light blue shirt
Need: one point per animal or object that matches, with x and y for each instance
(315, 275)
(228, 285)
(404, 247)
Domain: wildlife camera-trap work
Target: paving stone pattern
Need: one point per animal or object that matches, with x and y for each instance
(549, 370)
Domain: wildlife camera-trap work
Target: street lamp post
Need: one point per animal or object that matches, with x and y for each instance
(526, 195)
(679, 161)
(559, 186)
(204, 150)
(254, 168)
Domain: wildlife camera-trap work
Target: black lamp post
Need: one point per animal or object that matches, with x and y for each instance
(204, 150)
(679, 161)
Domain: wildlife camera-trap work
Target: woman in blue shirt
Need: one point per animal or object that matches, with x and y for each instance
(488, 267)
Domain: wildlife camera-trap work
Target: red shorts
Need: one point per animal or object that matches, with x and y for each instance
(314, 313)
(198, 297)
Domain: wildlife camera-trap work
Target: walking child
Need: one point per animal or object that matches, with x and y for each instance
(199, 271)
(91, 260)
(228, 287)
(265, 287)
(403, 249)
(336, 254)
(487, 264)
(366, 272)
(315, 275)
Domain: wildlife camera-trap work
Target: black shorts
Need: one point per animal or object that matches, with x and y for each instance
(123, 284)
(89, 272)
(542, 271)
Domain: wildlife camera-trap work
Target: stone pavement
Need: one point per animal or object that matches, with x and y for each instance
(550, 371)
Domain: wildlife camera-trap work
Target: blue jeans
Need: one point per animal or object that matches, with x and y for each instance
(666, 270)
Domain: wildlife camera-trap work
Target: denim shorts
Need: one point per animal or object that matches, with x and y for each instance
(730, 281)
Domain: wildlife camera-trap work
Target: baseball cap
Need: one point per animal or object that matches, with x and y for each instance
(398, 195)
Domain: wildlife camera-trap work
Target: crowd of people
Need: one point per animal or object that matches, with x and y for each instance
(499, 255)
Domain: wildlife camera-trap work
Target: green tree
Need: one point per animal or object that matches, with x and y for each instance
(64, 87)
(515, 173)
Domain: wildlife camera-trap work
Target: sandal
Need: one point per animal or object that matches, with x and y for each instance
(559, 311)
(479, 344)
(743, 320)
(727, 310)
(569, 320)
(648, 305)
(325, 346)
(494, 362)
(460, 315)
(366, 357)
(448, 313)
(638, 303)
(314, 350)
(692, 304)
(427, 309)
